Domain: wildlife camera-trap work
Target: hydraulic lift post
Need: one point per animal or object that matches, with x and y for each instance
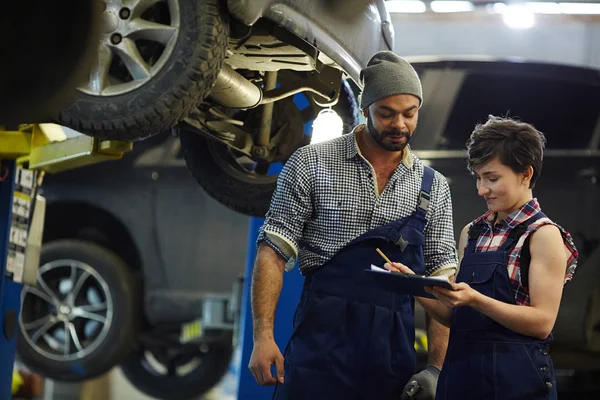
(24, 153)
(10, 291)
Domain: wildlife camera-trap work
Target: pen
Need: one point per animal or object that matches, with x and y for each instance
(384, 256)
(387, 260)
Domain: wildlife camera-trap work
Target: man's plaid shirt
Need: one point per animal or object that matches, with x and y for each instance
(327, 195)
(493, 236)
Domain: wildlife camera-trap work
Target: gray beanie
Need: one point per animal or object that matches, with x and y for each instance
(387, 74)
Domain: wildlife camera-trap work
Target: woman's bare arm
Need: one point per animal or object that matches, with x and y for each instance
(546, 279)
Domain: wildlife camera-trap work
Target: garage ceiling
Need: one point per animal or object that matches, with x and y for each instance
(588, 9)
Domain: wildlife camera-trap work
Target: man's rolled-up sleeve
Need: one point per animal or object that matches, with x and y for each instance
(291, 206)
(440, 246)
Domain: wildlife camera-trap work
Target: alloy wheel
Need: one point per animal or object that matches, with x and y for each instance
(69, 313)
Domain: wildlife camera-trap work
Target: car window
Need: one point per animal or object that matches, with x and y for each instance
(567, 112)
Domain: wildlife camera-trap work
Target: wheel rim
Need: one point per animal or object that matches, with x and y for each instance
(172, 365)
(137, 39)
(71, 312)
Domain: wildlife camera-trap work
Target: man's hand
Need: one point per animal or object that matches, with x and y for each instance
(462, 295)
(422, 386)
(264, 354)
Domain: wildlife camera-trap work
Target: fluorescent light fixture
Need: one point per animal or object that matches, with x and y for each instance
(541, 7)
(405, 6)
(580, 8)
(452, 6)
(328, 125)
(518, 16)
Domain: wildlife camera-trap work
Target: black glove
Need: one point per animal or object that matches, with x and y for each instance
(421, 386)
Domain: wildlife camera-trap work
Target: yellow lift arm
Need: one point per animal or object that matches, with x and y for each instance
(47, 147)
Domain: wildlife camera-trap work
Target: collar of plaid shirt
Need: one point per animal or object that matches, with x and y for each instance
(528, 210)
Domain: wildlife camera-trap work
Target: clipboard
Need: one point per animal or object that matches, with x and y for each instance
(404, 283)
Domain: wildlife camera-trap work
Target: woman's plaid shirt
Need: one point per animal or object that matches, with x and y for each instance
(493, 236)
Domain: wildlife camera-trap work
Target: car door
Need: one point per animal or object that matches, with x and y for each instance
(202, 243)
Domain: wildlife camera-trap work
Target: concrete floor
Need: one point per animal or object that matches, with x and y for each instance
(121, 389)
(114, 386)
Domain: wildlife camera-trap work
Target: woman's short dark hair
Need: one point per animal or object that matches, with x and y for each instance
(517, 144)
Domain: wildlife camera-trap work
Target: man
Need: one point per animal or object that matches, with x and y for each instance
(335, 204)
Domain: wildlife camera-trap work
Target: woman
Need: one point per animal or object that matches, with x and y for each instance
(514, 262)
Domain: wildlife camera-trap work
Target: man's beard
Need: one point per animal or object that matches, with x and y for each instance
(379, 137)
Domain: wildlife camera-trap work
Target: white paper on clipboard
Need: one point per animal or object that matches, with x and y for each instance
(442, 278)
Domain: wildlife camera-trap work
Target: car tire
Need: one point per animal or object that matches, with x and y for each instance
(196, 381)
(184, 80)
(102, 281)
(214, 167)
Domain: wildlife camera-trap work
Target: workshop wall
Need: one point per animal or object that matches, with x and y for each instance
(570, 42)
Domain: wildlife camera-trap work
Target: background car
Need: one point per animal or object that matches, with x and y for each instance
(228, 70)
(134, 249)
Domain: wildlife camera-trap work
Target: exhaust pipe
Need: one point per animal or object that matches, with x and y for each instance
(234, 91)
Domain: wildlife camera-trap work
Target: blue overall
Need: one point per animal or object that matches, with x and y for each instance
(351, 339)
(485, 360)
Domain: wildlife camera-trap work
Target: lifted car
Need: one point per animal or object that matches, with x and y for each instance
(226, 71)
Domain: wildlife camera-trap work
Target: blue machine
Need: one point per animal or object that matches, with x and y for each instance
(10, 291)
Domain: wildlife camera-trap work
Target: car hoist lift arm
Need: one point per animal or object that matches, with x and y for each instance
(26, 154)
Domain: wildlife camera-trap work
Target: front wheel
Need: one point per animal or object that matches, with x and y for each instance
(156, 61)
(80, 320)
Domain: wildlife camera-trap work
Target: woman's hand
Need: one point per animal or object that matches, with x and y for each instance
(462, 295)
(398, 267)
(440, 312)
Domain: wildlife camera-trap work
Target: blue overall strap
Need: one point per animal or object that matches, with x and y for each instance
(515, 233)
(425, 193)
(475, 231)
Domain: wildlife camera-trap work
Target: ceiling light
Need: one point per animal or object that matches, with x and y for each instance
(580, 8)
(452, 6)
(496, 8)
(518, 16)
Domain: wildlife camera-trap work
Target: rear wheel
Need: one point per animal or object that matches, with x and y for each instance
(178, 372)
(156, 61)
(79, 321)
(246, 185)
